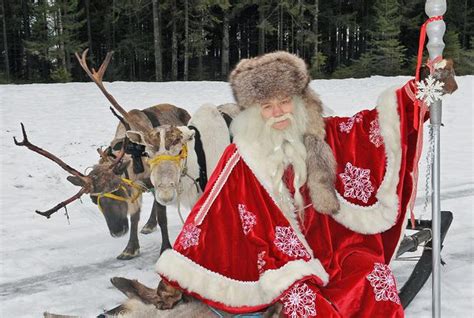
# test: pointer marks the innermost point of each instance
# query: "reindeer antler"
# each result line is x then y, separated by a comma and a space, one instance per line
48, 213
96, 77
86, 188
46, 154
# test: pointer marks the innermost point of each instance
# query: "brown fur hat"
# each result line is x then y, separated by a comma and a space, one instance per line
281, 74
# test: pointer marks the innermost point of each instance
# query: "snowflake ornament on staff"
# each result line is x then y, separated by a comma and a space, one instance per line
429, 90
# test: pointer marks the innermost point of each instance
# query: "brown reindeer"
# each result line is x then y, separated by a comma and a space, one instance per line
116, 196
180, 156
115, 184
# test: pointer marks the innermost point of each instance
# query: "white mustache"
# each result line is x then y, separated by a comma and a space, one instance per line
274, 120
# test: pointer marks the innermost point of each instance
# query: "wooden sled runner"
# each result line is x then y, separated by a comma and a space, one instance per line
424, 266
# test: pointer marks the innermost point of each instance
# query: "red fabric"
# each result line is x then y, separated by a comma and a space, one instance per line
238, 231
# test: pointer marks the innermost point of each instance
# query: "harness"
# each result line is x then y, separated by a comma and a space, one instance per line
201, 158
125, 182
183, 155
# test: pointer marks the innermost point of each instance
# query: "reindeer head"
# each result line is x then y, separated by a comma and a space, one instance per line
166, 147
114, 197
103, 183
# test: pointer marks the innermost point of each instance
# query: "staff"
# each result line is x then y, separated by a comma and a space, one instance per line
435, 46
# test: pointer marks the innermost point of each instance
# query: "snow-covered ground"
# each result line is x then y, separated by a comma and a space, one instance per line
64, 267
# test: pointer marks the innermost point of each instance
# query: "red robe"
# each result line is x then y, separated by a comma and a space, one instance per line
242, 248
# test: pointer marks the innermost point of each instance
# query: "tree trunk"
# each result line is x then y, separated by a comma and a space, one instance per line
46, 65
186, 40
316, 30
157, 41
201, 49
5, 43
89, 29
465, 36
280, 27
113, 24
174, 43
225, 46
62, 48
27, 34
338, 46
261, 31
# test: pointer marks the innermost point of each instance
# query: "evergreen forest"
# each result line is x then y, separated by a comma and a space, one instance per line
193, 40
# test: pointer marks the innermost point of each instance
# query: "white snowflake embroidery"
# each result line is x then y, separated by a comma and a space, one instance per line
357, 183
300, 301
374, 133
249, 220
383, 282
429, 90
347, 126
287, 242
189, 236
261, 262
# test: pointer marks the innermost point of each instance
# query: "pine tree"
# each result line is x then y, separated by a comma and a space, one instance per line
385, 54
386, 51
54, 36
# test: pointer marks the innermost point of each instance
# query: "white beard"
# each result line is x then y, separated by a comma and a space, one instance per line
277, 148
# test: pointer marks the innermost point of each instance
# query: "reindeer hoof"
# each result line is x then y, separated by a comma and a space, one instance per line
126, 255
148, 228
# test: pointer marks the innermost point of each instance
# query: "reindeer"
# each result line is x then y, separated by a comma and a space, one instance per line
113, 184
137, 173
179, 157
116, 187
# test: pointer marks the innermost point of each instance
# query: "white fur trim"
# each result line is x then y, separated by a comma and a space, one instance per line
255, 161
217, 187
382, 215
215, 136
195, 278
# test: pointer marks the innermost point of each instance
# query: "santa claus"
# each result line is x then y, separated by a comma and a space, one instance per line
302, 214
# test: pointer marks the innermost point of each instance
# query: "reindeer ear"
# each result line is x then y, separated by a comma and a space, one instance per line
188, 134
75, 180
136, 137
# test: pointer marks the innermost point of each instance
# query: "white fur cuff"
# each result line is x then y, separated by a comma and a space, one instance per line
216, 287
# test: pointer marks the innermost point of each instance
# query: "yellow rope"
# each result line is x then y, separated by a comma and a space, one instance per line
140, 188
176, 159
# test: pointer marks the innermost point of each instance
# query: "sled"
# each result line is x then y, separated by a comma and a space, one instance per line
424, 265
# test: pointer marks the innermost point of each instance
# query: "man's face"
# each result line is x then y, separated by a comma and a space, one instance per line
276, 108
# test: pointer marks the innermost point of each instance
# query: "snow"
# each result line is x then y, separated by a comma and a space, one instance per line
64, 267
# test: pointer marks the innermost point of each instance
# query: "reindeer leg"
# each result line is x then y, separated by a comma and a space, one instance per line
150, 225
133, 247
163, 223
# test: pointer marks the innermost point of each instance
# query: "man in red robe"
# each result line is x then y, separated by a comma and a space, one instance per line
302, 214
